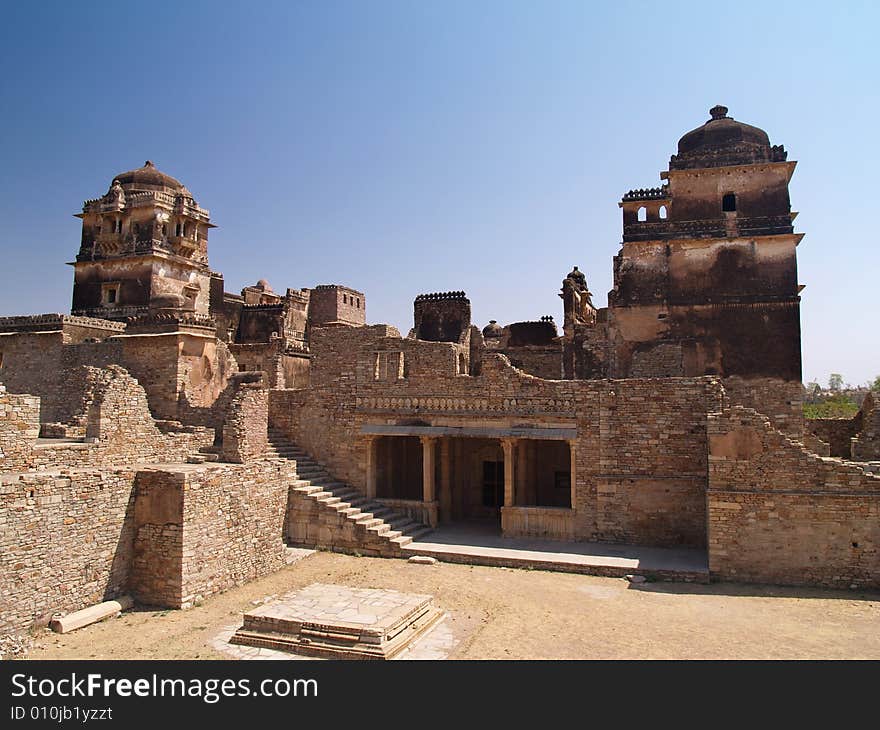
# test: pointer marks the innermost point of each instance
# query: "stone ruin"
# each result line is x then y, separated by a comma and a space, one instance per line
168, 440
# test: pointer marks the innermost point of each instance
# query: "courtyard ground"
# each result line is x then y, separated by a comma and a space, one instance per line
502, 613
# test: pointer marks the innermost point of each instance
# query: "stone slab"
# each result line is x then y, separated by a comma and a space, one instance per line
339, 622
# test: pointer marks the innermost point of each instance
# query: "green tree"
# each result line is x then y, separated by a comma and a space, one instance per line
835, 382
875, 386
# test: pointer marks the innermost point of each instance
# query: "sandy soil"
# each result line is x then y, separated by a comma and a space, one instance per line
527, 614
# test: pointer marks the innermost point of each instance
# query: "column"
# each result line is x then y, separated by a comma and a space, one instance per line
572, 450
445, 480
371, 466
428, 487
521, 491
509, 446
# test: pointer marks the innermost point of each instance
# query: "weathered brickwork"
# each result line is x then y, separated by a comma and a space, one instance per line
19, 427
837, 433
65, 542
245, 429
780, 514
866, 445
204, 529
72, 538
311, 524
640, 444
780, 400
117, 426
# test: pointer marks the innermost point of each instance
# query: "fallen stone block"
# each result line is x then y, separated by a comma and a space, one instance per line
90, 615
422, 560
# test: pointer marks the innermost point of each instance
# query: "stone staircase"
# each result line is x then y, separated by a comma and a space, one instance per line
366, 525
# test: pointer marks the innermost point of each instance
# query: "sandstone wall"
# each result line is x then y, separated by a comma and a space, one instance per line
203, 529
118, 427
182, 373
640, 445
836, 432
780, 514
19, 427
245, 429
543, 362
866, 445
73, 538
781, 400
65, 542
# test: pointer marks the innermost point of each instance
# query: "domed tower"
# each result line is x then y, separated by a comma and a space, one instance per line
144, 247
706, 280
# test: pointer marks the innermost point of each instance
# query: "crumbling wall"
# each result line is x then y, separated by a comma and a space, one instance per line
542, 362
640, 444
204, 529
118, 427
65, 542
780, 514
585, 354
19, 428
838, 433
245, 428
866, 445
780, 400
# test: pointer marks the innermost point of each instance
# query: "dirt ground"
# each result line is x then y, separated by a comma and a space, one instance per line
501, 613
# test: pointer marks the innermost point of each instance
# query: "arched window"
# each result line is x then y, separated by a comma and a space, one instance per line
643, 214
662, 212
728, 203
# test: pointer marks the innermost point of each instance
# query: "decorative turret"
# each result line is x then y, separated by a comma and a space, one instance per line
146, 237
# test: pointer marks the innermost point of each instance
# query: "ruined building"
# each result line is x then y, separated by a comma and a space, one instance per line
170, 439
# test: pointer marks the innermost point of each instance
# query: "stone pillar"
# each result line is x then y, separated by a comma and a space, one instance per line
428, 488
445, 480
509, 447
532, 474
372, 456
522, 474
572, 450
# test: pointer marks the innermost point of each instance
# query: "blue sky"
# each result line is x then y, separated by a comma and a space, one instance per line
408, 147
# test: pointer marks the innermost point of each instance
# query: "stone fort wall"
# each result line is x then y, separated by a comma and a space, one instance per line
781, 514
640, 447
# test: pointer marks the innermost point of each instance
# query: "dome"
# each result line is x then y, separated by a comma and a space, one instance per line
493, 329
147, 177
724, 141
264, 285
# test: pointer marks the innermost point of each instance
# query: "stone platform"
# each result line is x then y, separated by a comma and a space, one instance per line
482, 544
338, 622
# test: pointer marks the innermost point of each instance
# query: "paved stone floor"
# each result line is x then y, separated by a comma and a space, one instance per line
480, 542
434, 644
369, 609
373, 609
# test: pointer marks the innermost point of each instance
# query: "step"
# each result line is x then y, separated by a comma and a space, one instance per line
330, 499
348, 492
368, 523
380, 529
404, 524
402, 540
312, 473
420, 532
304, 483
307, 489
